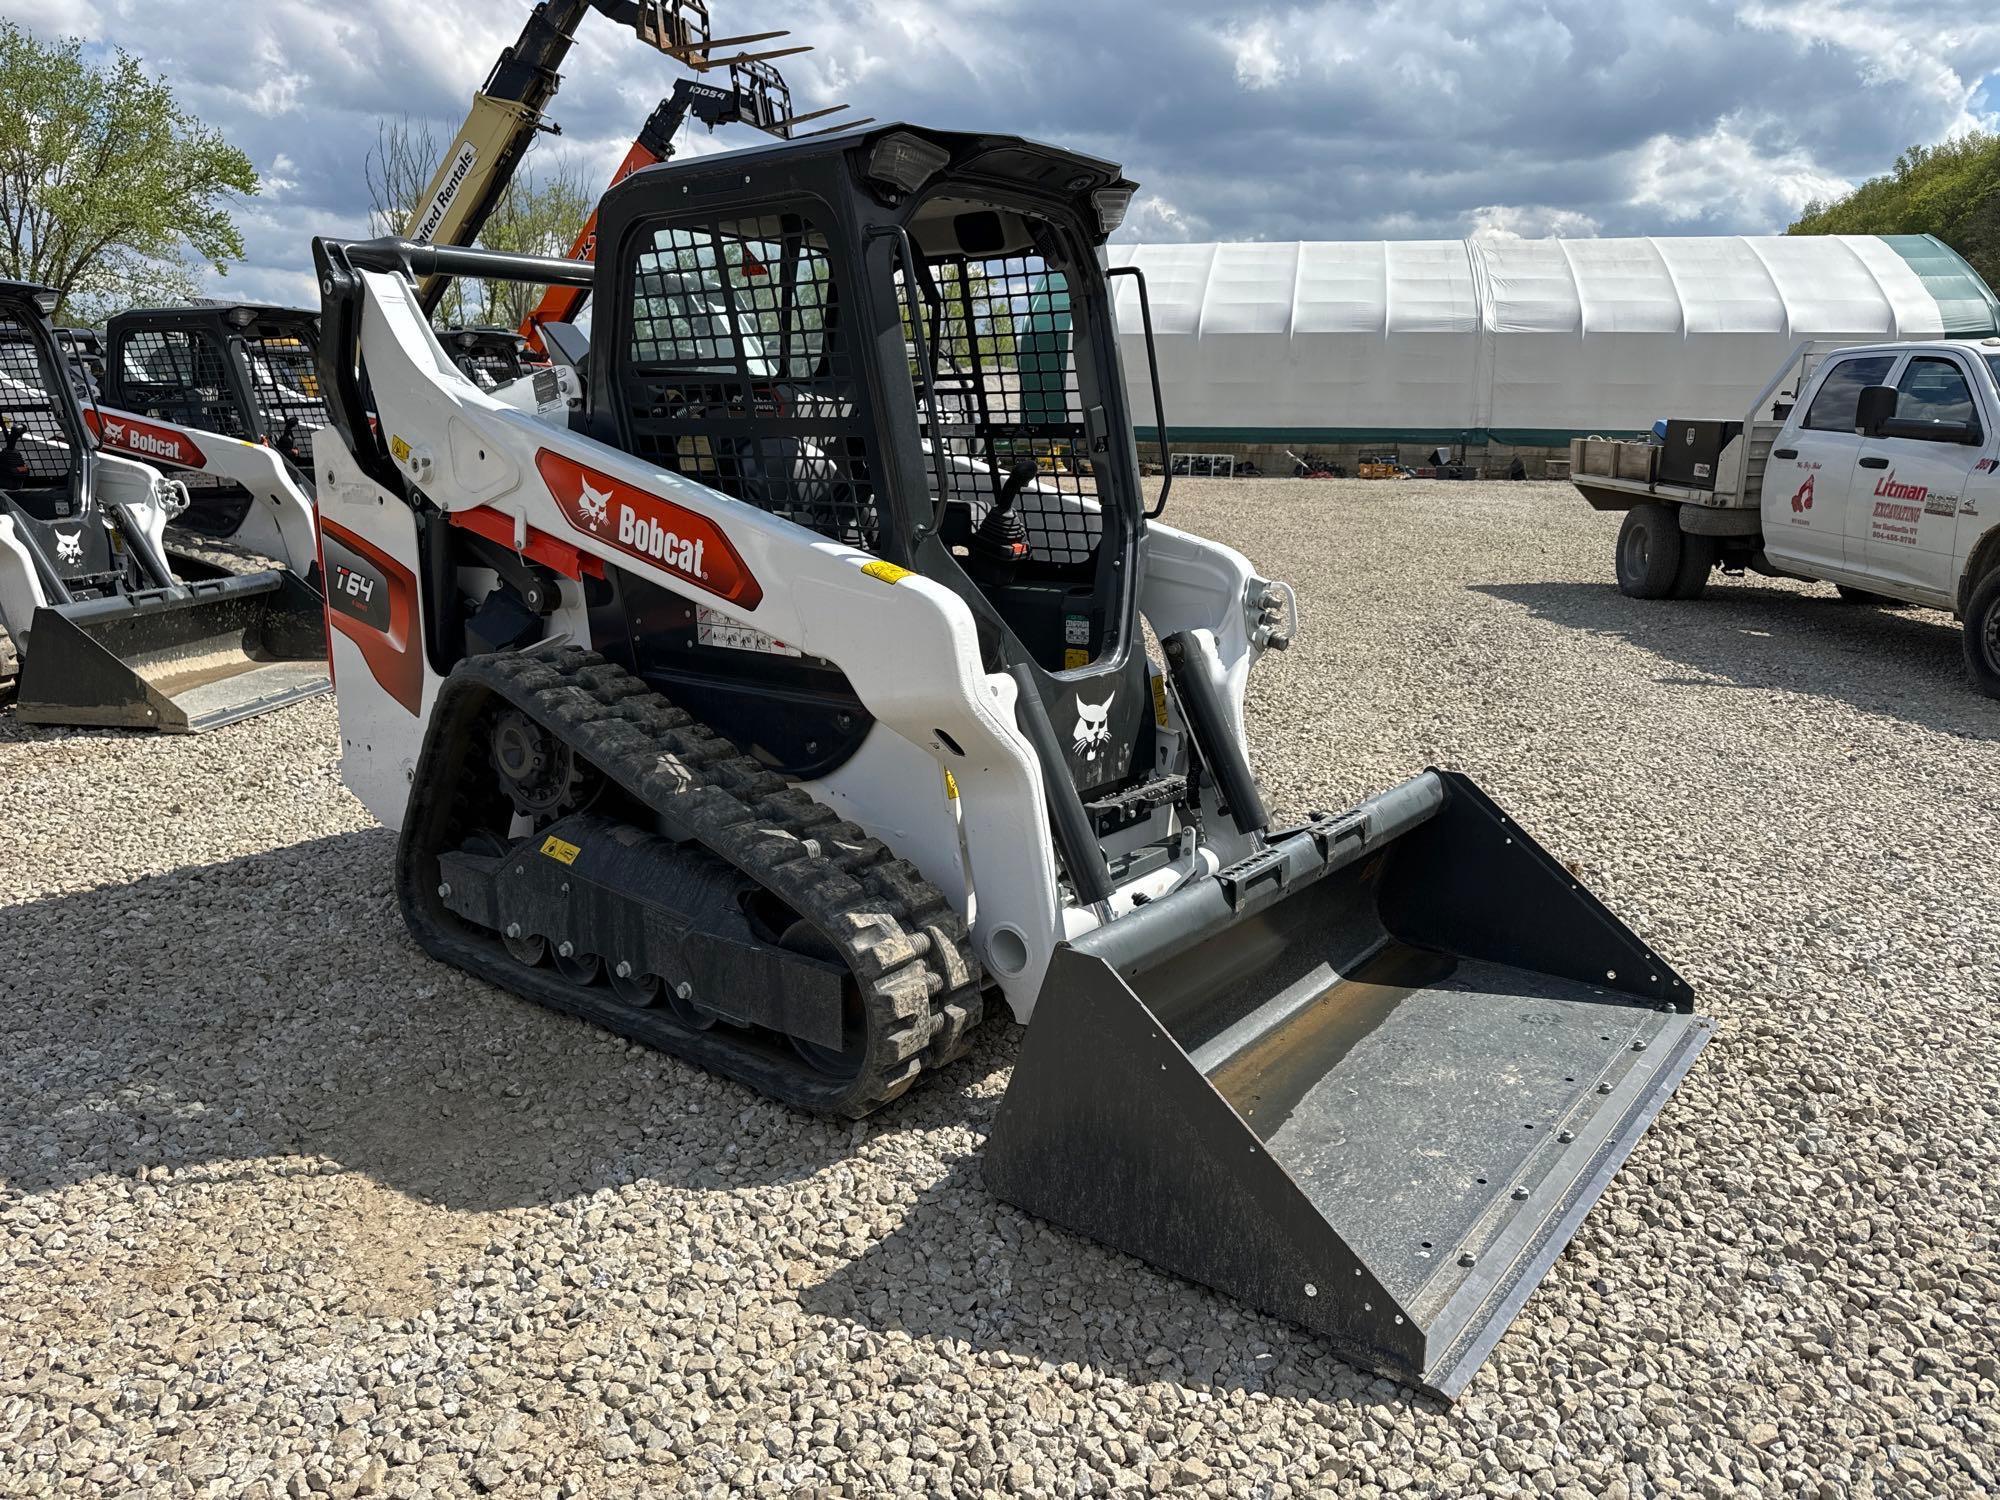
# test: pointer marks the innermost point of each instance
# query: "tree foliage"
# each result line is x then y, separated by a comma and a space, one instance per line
1951, 190
110, 192
539, 214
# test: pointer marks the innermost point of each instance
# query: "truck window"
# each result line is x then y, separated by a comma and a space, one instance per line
1932, 392
1839, 398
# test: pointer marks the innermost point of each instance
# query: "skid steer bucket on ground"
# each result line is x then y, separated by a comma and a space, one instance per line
181, 659
1370, 1080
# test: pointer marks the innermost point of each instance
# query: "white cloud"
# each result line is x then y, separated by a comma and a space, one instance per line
1496, 222
1259, 62
1921, 52
1725, 176
1152, 219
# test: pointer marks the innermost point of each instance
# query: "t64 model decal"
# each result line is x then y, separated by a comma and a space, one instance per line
372, 600
656, 531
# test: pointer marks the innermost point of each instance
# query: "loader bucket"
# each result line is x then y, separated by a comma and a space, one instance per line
1370, 1080
182, 659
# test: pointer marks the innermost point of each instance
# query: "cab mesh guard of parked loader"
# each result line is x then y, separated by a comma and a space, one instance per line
795, 700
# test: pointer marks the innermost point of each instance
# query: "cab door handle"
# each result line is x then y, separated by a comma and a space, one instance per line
1874, 463
1784, 453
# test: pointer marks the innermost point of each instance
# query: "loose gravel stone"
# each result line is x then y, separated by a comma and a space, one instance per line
288, 1210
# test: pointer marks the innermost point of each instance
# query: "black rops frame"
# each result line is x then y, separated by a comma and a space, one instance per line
865, 223
270, 322
19, 303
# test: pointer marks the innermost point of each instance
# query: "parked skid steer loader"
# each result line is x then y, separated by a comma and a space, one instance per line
106, 627
792, 702
224, 398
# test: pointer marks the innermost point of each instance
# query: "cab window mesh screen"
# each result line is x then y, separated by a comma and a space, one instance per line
284, 375
36, 451
740, 375
179, 376
1002, 340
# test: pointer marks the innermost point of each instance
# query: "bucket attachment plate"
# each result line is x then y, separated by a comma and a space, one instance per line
1371, 1082
183, 660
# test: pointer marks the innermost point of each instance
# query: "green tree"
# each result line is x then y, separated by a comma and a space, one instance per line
539, 214
1951, 190
110, 192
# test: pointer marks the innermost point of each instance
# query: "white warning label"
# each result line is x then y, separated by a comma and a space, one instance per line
713, 628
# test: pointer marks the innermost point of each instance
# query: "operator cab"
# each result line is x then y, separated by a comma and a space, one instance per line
902, 340
40, 433
45, 473
244, 370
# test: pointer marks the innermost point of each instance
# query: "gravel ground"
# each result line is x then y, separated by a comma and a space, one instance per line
287, 1209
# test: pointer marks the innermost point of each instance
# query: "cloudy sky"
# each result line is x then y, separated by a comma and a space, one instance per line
1338, 119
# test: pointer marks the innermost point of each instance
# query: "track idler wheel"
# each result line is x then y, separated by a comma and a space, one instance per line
537, 771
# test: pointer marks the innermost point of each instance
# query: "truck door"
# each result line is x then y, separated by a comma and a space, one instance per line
1808, 481
1909, 480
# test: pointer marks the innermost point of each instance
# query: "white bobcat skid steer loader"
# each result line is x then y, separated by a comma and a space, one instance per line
798, 699
105, 626
226, 399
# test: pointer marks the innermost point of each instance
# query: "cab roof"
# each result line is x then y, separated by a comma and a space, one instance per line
971, 157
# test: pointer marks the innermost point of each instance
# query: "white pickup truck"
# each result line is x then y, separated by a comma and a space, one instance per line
1875, 468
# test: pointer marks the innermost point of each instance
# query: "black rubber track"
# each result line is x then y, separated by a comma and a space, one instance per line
907, 949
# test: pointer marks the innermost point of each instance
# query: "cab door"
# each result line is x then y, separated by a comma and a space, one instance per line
1811, 470
1910, 479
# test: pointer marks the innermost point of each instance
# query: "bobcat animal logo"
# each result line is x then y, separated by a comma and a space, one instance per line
1802, 501
114, 432
69, 546
1093, 727
595, 505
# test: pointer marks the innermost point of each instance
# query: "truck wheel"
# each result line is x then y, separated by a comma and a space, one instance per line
1697, 562
1649, 552
1982, 634
1852, 595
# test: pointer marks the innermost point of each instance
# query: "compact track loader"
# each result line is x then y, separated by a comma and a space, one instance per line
104, 624
224, 398
791, 703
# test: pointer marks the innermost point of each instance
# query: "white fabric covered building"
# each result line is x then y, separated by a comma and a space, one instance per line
1519, 342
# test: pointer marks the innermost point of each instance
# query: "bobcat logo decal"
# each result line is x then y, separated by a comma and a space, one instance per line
595, 505
114, 432
1093, 727
69, 547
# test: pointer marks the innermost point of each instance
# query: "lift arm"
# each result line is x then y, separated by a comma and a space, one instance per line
509, 109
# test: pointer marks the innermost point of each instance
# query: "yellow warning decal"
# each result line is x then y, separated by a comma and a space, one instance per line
400, 448
1159, 700
950, 786
1074, 657
560, 850
888, 572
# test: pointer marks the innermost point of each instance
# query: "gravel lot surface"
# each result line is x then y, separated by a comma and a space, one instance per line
287, 1209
